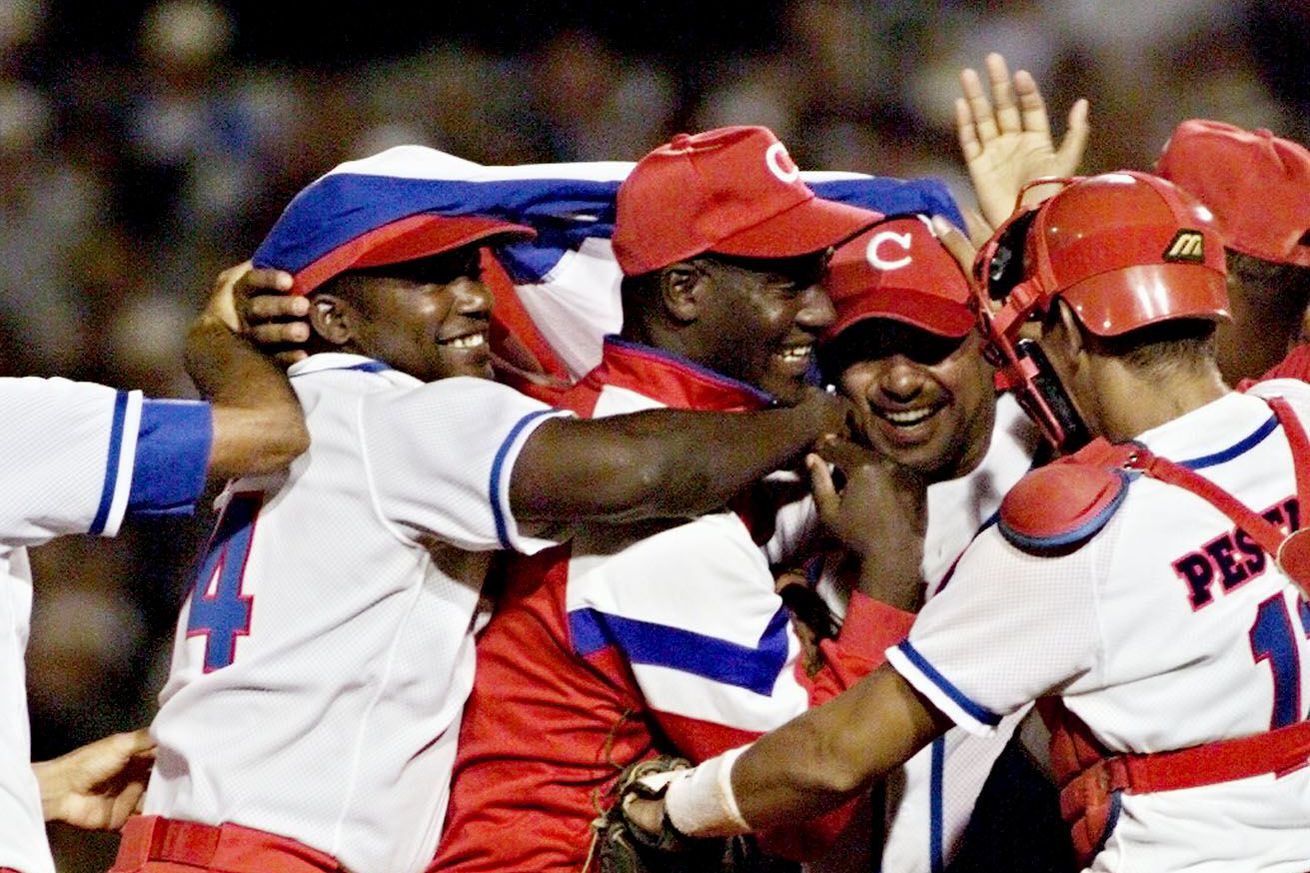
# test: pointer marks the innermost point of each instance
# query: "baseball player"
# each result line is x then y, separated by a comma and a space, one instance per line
903, 348
668, 637
1152, 583
79, 458
1258, 186
324, 655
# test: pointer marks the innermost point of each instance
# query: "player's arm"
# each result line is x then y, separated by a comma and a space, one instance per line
258, 425
804, 768
97, 786
1006, 141
660, 463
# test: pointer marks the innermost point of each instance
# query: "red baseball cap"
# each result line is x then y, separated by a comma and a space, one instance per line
734, 191
898, 269
1124, 250
1257, 185
406, 239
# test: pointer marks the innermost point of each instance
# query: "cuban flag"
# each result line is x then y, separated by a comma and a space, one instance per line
558, 295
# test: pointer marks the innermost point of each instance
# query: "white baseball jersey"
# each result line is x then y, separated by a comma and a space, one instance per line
75, 458
1166, 630
325, 653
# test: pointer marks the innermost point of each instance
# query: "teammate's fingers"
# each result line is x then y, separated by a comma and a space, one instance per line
826, 500
1007, 114
267, 307
130, 743
287, 358
970, 148
265, 279
278, 332
1074, 144
957, 244
979, 106
1031, 105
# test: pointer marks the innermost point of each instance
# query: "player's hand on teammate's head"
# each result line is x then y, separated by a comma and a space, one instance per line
1006, 141
275, 321
101, 784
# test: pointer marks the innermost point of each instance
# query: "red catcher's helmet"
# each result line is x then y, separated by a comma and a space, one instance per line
1124, 250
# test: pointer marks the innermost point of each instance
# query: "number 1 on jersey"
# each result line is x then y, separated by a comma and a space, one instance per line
1274, 639
219, 610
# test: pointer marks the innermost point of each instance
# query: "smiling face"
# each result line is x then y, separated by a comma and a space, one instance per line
428, 318
928, 401
760, 319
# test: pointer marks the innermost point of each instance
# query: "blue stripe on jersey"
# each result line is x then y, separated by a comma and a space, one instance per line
366, 367
1236, 449
172, 455
936, 839
498, 511
111, 464
979, 713
643, 642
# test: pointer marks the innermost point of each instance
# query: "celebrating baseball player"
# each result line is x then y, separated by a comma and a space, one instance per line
668, 637
1149, 589
79, 458
904, 350
324, 655
1258, 187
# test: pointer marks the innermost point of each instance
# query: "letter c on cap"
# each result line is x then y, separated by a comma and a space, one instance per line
901, 239
777, 160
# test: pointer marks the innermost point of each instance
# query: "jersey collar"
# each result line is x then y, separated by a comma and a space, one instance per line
673, 380
1205, 436
339, 361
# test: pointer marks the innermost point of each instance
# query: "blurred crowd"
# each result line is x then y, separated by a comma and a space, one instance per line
131, 177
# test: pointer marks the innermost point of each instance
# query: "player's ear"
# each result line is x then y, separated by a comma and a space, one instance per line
330, 318
1070, 332
680, 286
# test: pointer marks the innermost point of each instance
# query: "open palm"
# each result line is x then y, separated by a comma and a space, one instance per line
1006, 141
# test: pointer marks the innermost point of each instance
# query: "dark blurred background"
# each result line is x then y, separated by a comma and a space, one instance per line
143, 147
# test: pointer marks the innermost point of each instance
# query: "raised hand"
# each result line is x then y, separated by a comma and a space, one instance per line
1006, 141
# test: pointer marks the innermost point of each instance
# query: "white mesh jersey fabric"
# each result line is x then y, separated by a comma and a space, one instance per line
56, 445
329, 716
1113, 629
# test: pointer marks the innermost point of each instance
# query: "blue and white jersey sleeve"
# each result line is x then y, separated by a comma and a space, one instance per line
440, 458
78, 457
1009, 628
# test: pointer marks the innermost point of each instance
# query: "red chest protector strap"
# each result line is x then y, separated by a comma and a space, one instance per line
1089, 775
1291, 551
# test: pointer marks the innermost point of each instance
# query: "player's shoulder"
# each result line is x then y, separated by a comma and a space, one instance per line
1061, 506
1293, 390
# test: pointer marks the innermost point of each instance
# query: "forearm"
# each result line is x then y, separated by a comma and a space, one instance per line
818, 760
655, 464
257, 420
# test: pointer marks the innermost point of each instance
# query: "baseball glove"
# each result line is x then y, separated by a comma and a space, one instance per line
623, 847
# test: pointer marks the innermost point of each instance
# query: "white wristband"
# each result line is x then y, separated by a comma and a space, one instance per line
702, 804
